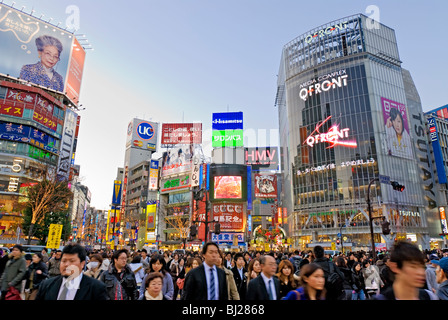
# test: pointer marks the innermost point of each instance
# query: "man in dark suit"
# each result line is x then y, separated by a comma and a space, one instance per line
206, 282
239, 274
265, 286
72, 284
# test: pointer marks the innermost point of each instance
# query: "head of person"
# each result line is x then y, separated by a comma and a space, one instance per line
239, 260
397, 120
286, 272
157, 264
16, 251
441, 269
37, 257
319, 252
95, 261
144, 253
58, 254
312, 278
407, 264
210, 252
340, 262
44, 251
182, 262
357, 267
247, 256
136, 259
120, 259
268, 265
28, 258
49, 50
73, 260
154, 283
254, 265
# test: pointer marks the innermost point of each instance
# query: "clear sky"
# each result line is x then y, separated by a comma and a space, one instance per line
182, 60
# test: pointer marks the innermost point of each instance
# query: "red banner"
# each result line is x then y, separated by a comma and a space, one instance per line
181, 133
15, 111
265, 186
14, 95
229, 215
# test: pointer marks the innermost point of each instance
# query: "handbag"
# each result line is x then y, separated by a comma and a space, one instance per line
180, 283
13, 294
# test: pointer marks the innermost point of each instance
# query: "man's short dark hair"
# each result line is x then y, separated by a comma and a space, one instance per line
18, 246
238, 255
75, 249
118, 253
319, 251
205, 247
144, 250
405, 251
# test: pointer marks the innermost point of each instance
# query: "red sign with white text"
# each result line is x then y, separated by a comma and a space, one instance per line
181, 133
229, 215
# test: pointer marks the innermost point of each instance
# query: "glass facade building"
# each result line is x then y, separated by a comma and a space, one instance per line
344, 121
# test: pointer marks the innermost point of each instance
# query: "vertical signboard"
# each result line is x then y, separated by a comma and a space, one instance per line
151, 209
116, 197
153, 174
249, 188
54, 236
67, 142
438, 157
443, 220
73, 84
196, 172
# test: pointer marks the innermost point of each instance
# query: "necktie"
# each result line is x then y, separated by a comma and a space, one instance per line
63, 295
212, 285
269, 290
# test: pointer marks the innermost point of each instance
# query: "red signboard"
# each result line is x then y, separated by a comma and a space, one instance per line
16, 96
265, 186
10, 110
229, 215
181, 133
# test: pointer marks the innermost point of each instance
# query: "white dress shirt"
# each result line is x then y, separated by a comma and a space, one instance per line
207, 277
266, 283
73, 286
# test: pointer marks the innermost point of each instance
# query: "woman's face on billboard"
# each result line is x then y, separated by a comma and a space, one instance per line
398, 125
49, 56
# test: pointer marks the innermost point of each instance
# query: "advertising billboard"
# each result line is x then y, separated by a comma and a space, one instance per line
178, 160
262, 158
67, 143
228, 182
176, 183
142, 134
153, 174
227, 138
227, 121
443, 220
181, 133
265, 185
229, 215
228, 187
39, 52
151, 217
438, 156
398, 140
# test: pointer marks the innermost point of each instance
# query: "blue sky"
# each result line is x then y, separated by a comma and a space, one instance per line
182, 60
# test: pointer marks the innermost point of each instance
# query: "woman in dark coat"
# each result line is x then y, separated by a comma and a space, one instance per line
35, 274
359, 287
347, 284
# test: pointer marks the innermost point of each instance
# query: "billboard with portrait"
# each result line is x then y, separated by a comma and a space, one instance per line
265, 186
38, 52
178, 159
397, 141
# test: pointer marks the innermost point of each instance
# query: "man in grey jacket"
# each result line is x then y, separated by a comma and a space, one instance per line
442, 277
14, 271
430, 271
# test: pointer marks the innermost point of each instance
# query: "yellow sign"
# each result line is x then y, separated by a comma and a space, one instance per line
267, 247
333, 246
54, 236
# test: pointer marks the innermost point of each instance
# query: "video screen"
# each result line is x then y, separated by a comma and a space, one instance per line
228, 187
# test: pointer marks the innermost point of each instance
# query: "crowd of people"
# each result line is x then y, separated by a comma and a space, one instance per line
404, 273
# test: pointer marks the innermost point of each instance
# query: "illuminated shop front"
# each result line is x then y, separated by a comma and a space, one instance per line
346, 118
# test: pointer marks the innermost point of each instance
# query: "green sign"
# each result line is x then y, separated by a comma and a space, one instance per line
227, 138
176, 183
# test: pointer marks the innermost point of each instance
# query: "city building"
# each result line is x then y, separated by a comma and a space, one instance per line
349, 114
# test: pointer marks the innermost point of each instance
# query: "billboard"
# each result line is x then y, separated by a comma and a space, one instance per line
227, 138
227, 121
229, 215
265, 185
181, 133
178, 160
151, 217
227, 182
398, 140
67, 143
174, 184
438, 155
153, 174
39, 52
228, 187
262, 158
142, 134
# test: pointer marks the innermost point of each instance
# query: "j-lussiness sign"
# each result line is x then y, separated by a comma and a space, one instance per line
323, 83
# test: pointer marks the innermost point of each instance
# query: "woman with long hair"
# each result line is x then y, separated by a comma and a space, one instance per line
288, 280
158, 264
253, 270
312, 284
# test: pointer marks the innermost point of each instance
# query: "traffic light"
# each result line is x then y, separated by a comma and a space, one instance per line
198, 194
385, 226
193, 231
338, 241
217, 228
396, 186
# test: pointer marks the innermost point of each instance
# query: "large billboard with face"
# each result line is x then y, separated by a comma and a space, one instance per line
178, 159
398, 140
40, 53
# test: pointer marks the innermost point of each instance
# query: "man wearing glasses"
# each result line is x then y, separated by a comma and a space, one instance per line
265, 286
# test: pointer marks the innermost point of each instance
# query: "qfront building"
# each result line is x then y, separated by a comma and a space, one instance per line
348, 116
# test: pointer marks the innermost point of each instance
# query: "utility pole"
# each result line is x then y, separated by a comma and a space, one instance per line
369, 206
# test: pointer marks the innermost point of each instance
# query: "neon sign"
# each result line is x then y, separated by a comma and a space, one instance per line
323, 32
332, 136
323, 84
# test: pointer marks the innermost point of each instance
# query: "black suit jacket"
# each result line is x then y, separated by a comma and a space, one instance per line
241, 283
195, 286
89, 289
257, 289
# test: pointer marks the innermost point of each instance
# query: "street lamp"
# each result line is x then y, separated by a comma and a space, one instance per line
369, 208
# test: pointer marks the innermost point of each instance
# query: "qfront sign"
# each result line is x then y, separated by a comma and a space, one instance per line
325, 32
323, 83
334, 136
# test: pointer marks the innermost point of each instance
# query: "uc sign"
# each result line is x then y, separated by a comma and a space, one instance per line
145, 131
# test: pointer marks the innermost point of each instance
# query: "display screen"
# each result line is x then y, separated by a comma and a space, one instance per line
228, 187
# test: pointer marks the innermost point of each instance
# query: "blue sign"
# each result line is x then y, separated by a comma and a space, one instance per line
145, 131
249, 188
116, 196
207, 179
227, 121
384, 179
249, 223
438, 157
154, 164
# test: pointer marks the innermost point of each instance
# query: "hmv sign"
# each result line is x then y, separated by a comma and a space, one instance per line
262, 158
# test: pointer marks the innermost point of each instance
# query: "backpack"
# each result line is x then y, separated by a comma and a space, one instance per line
334, 282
